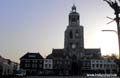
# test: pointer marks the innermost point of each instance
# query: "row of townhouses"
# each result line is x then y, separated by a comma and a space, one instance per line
103, 66
35, 64
7, 67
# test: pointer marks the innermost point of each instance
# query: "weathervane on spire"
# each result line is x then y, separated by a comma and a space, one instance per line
73, 7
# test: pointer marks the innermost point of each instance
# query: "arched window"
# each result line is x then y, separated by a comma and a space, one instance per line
77, 17
71, 34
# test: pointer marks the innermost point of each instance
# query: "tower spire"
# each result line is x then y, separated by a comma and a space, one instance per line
73, 7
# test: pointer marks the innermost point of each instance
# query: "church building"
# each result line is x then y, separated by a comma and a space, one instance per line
73, 45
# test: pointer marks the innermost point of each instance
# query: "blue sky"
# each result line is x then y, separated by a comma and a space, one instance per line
39, 25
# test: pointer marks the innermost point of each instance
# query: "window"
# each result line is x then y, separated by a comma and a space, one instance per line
112, 66
77, 45
93, 65
27, 61
32, 56
71, 45
35, 65
68, 62
77, 17
71, 34
65, 62
97, 65
27, 65
74, 19
34, 61
105, 65
49, 65
100, 65
45, 65
96, 61
40, 65
40, 61
60, 62
32, 65
46, 60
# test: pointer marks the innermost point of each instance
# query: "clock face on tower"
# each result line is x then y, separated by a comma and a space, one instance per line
73, 46
76, 34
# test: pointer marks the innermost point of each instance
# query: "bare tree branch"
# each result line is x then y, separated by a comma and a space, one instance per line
114, 5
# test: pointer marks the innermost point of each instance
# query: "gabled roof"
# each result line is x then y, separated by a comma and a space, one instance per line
92, 51
31, 56
58, 53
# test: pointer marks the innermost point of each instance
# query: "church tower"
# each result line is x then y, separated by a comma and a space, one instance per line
74, 38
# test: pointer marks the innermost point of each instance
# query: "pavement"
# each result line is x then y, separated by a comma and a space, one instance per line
65, 77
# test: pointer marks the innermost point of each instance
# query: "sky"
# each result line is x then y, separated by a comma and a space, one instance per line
39, 25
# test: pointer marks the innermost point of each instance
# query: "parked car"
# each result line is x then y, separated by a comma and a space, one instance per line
21, 73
